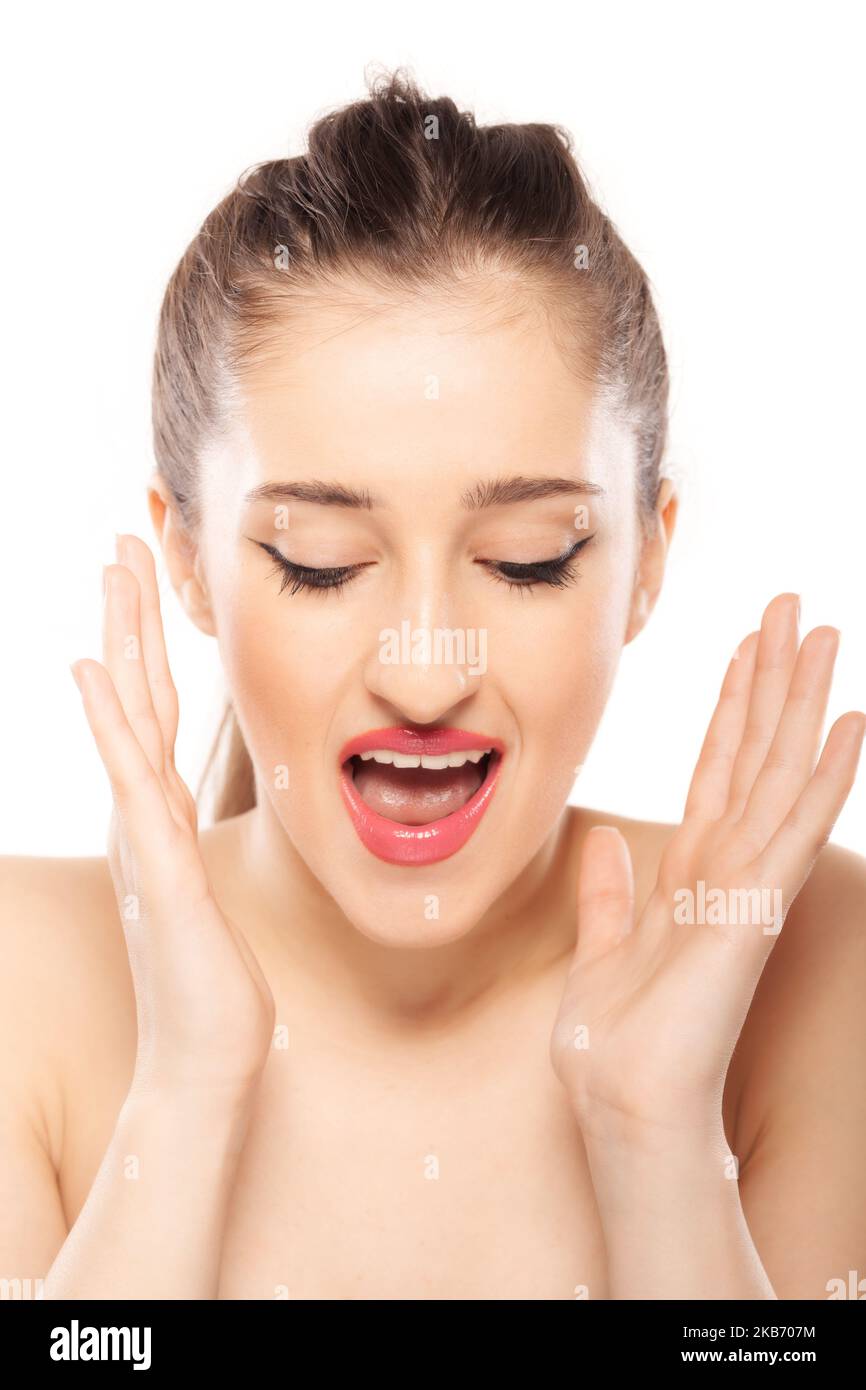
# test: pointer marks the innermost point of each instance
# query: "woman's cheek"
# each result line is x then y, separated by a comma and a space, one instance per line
558, 698
266, 674
285, 682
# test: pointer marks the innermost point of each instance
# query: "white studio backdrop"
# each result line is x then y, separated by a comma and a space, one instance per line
724, 141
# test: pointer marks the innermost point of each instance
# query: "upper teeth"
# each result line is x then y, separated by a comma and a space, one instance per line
386, 755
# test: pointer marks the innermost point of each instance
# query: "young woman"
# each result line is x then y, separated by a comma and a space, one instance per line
401, 1024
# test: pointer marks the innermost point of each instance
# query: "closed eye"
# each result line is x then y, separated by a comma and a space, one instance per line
557, 573
296, 577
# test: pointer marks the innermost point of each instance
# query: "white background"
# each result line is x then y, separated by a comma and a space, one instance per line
726, 144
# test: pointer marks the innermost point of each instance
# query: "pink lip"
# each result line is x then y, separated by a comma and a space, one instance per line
418, 844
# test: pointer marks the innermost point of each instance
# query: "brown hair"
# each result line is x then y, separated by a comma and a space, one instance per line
406, 192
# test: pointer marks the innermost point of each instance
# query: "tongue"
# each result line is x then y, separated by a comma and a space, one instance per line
416, 795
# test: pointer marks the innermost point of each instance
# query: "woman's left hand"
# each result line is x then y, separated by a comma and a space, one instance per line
651, 1013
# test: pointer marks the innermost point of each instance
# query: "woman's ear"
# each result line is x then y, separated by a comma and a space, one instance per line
182, 557
651, 566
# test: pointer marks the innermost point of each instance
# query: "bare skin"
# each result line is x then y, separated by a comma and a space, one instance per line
331, 1199
428, 1130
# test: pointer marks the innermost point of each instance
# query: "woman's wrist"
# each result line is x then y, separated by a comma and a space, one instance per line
153, 1221
208, 1102
670, 1210
695, 1127
218, 1116
632, 1168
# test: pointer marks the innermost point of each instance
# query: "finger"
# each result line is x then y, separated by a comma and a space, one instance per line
792, 755
710, 785
792, 851
137, 556
774, 664
123, 659
135, 786
605, 894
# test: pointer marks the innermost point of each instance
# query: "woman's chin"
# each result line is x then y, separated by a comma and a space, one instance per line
404, 908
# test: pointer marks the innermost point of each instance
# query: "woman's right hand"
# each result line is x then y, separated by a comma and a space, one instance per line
205, 1011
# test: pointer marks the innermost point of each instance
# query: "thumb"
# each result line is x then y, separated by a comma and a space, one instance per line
605, 894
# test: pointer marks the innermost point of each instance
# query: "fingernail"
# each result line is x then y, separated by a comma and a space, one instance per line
119, 546
75, 674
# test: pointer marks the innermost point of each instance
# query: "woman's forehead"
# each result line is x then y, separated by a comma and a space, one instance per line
381, 490
392, 399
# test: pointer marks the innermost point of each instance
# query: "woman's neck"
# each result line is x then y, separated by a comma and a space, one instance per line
299, 931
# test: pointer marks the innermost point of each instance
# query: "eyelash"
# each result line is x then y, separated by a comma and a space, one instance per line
556, 573
296, 577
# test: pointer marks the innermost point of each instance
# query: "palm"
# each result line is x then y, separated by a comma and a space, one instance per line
205, 1010
651, 1014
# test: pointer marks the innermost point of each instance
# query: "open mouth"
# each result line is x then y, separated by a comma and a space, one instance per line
415, 790
419, 801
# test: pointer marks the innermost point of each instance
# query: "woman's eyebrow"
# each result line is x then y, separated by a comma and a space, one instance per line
490, 493
326, 494
501, 491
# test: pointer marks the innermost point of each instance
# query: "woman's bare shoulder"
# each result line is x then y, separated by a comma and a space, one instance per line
799, 1066
55, 910
804, 1038
61, 930
65, 962
69, 905
66, 998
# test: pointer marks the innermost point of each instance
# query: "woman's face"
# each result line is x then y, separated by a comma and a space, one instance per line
479, 509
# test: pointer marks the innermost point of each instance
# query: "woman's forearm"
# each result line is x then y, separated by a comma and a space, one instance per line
153, 1221
673, 1221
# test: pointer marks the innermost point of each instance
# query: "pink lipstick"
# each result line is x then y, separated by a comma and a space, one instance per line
416, 796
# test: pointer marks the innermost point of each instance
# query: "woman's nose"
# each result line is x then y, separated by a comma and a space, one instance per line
424, 671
